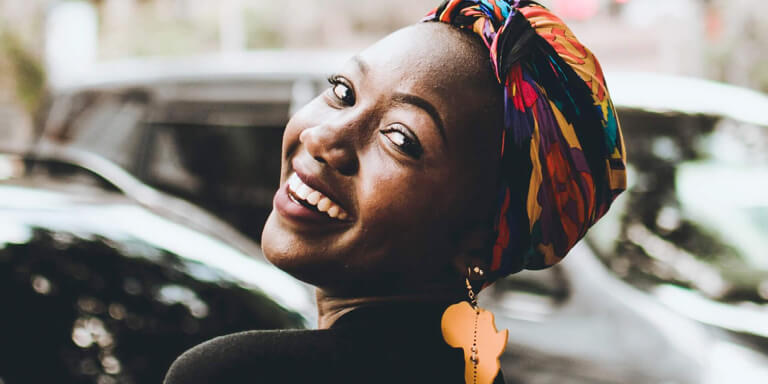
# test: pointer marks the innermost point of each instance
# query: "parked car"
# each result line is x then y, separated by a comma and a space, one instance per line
670, 287
96, 288
205, 129
195, 143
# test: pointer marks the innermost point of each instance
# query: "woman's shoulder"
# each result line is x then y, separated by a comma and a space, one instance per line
282, 355
368, 345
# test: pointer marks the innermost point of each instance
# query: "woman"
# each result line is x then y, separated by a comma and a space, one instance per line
425, 172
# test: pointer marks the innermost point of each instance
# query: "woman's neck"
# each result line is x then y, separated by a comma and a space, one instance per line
331, 307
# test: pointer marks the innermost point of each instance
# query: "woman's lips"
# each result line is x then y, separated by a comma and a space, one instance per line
299, 202
314, 199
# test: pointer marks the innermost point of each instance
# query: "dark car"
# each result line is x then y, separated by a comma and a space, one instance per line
96, 288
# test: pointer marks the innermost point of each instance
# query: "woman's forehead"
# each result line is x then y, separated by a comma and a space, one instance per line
431, 49
438, 63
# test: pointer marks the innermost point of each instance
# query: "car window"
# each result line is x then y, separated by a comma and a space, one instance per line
231, 170
106, 124
222, 155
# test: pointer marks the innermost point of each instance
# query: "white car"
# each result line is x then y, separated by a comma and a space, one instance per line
678, 293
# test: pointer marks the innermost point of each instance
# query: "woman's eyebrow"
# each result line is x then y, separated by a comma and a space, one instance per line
362, 66
407, 98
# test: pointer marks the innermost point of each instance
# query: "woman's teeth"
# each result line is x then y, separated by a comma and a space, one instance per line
314, 198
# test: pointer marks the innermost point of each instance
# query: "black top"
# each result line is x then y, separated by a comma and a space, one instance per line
377, 344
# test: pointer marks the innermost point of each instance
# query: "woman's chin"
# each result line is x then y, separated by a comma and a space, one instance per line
279, 244
293, 253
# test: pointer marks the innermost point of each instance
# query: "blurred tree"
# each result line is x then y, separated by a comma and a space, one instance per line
739, 38
27, 71
22, 79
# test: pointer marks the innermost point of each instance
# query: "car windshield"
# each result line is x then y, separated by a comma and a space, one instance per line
101, 123
223, 156
696, 212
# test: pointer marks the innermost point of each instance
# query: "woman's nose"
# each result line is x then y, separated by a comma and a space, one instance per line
331, 146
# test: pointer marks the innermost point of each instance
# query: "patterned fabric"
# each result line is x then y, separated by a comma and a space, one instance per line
563, 160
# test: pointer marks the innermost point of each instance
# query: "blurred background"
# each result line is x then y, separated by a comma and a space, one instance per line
139, 153
44, 41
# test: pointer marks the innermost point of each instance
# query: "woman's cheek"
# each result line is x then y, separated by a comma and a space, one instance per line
395, 196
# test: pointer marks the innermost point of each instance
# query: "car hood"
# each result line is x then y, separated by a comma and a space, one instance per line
91, 212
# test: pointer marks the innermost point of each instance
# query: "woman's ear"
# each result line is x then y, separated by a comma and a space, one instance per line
474, 251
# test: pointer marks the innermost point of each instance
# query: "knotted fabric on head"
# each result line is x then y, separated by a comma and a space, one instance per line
562, 152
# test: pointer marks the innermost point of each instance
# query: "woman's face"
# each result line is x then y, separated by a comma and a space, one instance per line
389, 173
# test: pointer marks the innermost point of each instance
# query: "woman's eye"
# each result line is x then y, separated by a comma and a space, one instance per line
404, 141
342, 91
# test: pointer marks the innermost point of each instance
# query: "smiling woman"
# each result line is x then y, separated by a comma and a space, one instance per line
375, 146
423, 173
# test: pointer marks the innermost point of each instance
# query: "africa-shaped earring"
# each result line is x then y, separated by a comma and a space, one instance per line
472, 328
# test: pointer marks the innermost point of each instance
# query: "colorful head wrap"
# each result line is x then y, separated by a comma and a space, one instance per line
560, 134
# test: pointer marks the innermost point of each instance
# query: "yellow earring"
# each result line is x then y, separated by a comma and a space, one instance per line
473, 329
